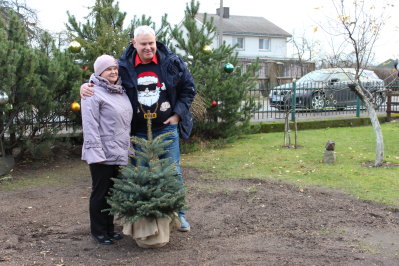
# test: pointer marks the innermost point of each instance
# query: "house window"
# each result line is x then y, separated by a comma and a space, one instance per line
239, 42
264, 44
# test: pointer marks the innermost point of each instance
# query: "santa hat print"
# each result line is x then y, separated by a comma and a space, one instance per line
148, 78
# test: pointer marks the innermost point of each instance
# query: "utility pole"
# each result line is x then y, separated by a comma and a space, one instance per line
221, 13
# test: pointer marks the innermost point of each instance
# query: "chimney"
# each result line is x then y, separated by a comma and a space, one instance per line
226, 12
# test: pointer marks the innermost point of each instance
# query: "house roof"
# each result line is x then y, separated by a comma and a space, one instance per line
390, 63
246, 25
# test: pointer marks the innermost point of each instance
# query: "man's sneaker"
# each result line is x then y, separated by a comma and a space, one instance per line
184, 225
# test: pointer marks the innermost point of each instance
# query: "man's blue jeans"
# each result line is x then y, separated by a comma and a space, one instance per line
173, 148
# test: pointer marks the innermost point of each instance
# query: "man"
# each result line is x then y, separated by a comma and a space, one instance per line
158, 85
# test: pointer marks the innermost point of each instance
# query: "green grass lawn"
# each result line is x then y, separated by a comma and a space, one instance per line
262, 156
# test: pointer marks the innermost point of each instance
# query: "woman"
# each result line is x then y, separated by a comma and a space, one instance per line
106, 118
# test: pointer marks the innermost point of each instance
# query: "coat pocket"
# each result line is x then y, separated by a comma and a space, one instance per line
116, 149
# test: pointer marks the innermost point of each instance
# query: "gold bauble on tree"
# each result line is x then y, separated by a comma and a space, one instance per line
207, 49
75, 107
75, 47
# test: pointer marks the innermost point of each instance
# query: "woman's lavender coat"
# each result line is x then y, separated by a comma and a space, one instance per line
106, 119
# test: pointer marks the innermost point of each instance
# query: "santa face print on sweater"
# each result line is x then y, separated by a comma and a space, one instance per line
149, 88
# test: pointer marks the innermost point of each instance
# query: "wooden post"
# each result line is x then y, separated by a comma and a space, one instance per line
389, 103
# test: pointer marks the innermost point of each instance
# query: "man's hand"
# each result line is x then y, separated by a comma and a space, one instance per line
174, 119
86, 90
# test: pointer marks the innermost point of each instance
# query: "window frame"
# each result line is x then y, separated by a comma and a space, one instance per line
263, 42
235, 41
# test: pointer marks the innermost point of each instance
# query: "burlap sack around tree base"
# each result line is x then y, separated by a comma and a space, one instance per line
150, 232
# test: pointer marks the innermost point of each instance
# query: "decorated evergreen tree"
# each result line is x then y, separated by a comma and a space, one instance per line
220, 81
40, 82
151, 189
103, 31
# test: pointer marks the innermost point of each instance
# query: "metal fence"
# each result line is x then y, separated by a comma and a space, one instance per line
305, 101
29, 124
316, 100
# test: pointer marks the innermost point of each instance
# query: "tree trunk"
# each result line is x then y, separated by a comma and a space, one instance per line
285, 130
379, 156
296, 133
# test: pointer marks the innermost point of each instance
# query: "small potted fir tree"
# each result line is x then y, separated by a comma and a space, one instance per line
147, 195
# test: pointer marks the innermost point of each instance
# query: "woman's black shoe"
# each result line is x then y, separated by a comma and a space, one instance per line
103, 239
115, 236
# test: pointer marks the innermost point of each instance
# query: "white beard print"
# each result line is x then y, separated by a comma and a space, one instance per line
148, 97
149, 92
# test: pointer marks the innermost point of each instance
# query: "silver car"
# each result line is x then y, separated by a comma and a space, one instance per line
326, 88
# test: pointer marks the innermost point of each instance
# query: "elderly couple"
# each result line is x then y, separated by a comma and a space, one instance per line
147, 78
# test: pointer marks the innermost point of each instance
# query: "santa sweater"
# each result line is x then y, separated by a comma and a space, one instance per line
153, 100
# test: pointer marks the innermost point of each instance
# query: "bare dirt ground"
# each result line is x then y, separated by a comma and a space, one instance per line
234, 222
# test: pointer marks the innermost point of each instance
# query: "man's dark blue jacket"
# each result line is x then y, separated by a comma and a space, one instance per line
177, 78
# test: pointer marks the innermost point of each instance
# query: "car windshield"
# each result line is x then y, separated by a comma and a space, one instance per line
336, 75
369, 75
315, 76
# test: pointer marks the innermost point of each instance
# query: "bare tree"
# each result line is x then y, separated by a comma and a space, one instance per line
288, 109
26, 14
359, 24
305, 49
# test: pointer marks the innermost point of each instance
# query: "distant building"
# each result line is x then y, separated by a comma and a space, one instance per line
255, 36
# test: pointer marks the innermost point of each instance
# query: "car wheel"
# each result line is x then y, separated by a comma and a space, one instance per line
317, 101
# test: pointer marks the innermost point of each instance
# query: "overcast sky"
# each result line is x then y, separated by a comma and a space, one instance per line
299, 16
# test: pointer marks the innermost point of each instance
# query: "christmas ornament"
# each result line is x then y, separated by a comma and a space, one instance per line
207, 49
85, 68
75, 47
228, 68
75, 107
214, 104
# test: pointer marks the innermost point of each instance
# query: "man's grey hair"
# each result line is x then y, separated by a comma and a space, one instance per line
144, 29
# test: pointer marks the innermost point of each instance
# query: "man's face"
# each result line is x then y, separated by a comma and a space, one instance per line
146, 47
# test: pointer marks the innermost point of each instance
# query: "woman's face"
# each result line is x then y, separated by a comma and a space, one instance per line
111, 74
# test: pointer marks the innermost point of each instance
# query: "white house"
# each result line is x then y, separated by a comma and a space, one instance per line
255, 36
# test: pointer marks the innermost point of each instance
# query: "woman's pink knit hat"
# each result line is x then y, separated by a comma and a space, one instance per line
103, 62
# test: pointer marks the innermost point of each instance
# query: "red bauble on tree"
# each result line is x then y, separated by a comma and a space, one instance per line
214, 104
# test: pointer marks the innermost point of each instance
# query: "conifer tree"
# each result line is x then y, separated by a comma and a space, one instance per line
232, 104
150, 189
39, 82
17, 73
103, 31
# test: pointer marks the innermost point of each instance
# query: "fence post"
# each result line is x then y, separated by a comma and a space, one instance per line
293, 105
358, 106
